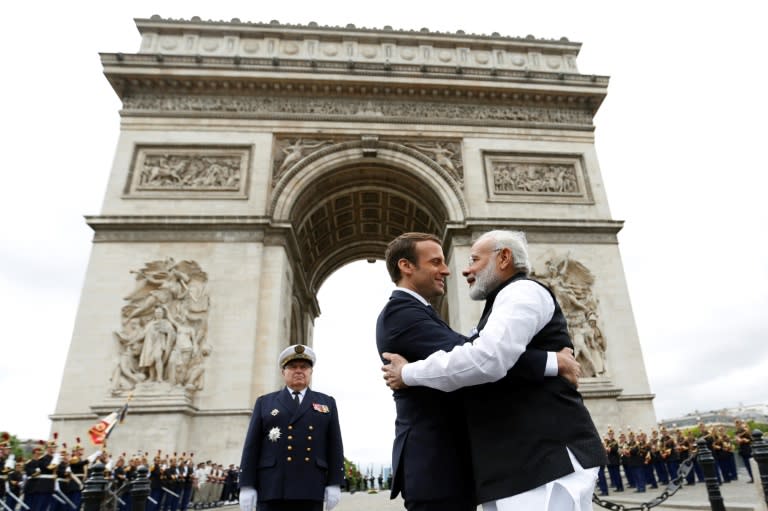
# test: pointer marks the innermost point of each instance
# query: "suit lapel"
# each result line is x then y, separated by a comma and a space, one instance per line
285, 400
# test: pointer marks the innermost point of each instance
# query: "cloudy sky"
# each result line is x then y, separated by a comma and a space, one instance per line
680, 140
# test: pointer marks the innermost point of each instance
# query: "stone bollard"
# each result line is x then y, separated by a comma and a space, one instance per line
760, 455
707, 462
140, 489
95, 488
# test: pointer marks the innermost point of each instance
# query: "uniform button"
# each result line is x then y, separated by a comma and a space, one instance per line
309, 449
290, 447
289, 458
290, 437
311, 428
290, 426
306, 459
309, 437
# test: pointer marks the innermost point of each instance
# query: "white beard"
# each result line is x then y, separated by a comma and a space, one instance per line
485, 282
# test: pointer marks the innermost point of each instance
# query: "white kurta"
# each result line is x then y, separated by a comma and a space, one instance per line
520, 311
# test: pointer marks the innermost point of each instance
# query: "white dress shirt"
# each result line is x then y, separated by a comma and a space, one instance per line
550, 369
520, 310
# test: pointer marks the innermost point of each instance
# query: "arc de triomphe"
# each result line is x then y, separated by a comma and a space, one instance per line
256, 159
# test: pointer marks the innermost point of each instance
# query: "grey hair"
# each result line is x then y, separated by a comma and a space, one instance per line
516, 242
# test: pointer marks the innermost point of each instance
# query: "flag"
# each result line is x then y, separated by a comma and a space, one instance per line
100, 431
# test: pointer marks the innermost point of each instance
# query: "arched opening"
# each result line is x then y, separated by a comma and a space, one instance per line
355, 211
343, 219
348, 364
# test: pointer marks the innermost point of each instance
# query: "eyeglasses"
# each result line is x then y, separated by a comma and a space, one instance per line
473, 258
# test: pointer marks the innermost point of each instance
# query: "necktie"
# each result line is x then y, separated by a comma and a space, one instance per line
296, 398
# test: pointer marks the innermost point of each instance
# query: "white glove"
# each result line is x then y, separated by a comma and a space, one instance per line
332, 496
247, 498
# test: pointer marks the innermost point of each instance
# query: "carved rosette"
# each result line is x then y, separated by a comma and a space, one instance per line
163, 338
571, 282
184, 171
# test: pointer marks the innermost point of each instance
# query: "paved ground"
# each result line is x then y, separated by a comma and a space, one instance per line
737, 496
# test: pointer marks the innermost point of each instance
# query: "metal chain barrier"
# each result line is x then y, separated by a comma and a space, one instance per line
674, 485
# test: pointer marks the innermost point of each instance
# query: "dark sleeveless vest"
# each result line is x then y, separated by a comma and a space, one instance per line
519, 428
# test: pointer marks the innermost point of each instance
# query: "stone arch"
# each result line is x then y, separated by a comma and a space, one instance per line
344, 205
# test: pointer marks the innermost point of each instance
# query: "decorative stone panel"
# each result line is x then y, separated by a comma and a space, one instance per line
536, 177
188, 172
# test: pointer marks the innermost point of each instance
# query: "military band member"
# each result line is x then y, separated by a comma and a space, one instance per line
614, 460
170, 484
744, 442
36, 490
78, 465
293, 457
155, 483
670, 454
120, 478
7, 461
15, 484
693, 448
63, 481
646, 453
186, 469
659, 462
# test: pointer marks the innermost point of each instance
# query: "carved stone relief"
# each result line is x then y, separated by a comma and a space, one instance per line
536, 178
163, 340
571, 282
181, 171
446, 154
501, 114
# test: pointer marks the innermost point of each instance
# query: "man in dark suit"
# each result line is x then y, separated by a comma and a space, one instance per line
430, 456
534, 445
293, 458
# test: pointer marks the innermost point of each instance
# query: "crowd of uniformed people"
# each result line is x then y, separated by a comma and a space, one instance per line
52, 479
637, 460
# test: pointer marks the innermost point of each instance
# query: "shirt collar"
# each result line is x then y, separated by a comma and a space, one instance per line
414, 294
301, 392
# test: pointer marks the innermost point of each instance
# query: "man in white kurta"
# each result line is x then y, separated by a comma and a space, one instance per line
521, 309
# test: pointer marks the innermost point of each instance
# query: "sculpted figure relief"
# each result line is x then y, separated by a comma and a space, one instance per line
164, 328
534, 178
291, 151
444, 154
571, 282
190, 172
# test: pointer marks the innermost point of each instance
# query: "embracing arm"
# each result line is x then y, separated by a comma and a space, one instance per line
519, 312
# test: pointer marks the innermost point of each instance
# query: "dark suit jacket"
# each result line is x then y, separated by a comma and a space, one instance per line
430, 455
306, 457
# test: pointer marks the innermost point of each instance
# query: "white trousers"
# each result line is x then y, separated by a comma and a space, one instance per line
569, 493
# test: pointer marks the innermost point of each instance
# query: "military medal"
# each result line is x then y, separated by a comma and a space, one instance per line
321, 408
274, 434
274, 412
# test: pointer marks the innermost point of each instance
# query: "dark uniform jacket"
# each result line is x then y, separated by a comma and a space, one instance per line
430, 456
293, 454
41, 475
519, 428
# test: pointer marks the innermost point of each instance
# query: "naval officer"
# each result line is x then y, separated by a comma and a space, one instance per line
293, 458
